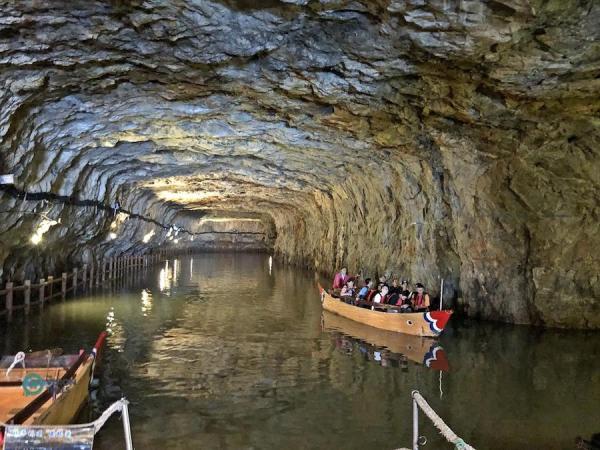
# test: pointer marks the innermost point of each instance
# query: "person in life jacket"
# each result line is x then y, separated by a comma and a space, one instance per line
382, 296
420, 299
341, 278
395, 290
348, 290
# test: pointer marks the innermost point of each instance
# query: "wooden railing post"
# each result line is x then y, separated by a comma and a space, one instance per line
42, 285
9, 296
63, 285
83, 276
75, 275
27, 295
51, 284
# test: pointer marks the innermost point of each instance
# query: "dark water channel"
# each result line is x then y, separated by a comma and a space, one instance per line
219, 352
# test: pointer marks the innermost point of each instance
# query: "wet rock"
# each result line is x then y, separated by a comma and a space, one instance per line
425, 138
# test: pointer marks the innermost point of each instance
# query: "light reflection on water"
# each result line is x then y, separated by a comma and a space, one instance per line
227, 351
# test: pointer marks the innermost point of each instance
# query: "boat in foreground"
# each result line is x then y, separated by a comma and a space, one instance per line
421, 350
46, 388
430, 324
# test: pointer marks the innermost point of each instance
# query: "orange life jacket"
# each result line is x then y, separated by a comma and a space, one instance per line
419, 300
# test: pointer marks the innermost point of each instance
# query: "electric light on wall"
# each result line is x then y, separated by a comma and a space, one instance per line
7, 179
42, 228
112, 235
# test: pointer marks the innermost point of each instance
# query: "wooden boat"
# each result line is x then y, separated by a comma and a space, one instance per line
429, 324
422, 350
50, 389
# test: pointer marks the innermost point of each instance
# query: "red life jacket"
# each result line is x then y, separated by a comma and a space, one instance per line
371, 294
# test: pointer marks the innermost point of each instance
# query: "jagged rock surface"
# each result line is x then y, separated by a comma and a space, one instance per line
428, 138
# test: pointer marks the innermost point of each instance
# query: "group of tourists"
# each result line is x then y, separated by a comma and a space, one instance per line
381, 296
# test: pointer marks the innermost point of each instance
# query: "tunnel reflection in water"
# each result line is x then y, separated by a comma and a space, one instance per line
220, 354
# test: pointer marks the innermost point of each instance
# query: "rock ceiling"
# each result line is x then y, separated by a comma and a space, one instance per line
428, 138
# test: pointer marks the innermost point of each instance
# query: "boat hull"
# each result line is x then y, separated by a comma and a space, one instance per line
429, 324
67, 406
63, 409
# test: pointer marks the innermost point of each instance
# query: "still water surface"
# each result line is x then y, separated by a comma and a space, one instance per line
220, 352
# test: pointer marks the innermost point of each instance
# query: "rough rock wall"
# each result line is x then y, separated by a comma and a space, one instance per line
429, 138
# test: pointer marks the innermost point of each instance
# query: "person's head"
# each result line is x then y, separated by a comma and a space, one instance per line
344, 271
384, 289
350, 283
367, 281
379, 286
420, 288
370, 284
382, 279
395, 282
405, 284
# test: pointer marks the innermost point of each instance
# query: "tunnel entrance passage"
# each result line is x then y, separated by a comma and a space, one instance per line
226, 230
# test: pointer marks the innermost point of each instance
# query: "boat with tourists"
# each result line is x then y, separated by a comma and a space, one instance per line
46, 387
388, 317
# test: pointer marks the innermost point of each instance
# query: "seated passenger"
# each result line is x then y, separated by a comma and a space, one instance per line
341, 278
420, 299
405, 288
348, 289
404, 303
362, 294
372, 292
381, 297
395, 290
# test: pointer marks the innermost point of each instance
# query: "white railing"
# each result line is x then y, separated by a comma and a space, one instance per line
118, 406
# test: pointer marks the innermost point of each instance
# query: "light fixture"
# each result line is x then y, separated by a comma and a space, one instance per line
42, 227
112, 235
7, 179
